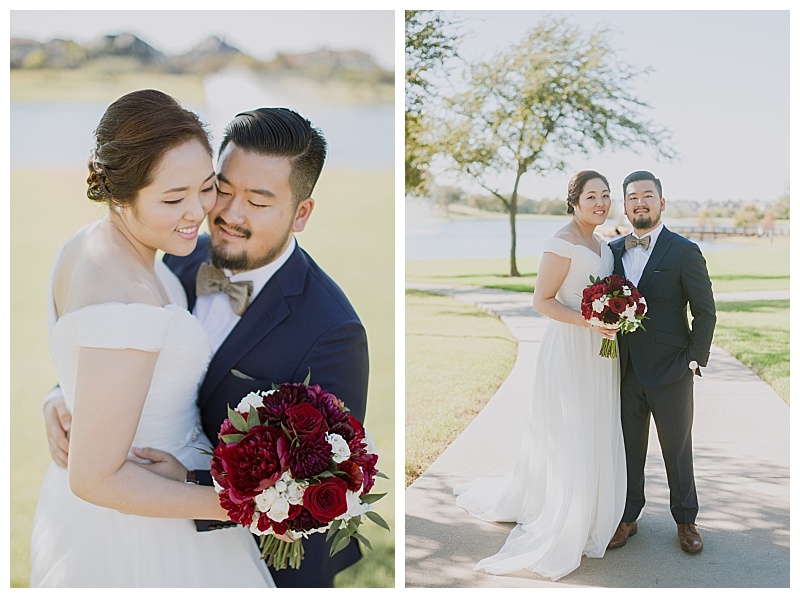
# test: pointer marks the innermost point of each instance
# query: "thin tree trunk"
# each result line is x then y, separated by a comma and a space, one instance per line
512, 217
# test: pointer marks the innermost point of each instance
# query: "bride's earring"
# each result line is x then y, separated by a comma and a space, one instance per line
118, 208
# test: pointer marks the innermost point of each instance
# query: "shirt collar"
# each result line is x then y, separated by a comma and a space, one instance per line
261, 276
653, 234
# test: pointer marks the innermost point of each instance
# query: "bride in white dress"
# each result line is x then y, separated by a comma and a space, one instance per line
129, 359
567, 491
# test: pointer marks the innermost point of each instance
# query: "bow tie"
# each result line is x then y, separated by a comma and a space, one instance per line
631, 242
212, 280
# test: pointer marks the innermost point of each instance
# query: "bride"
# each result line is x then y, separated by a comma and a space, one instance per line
567, 491
129, 359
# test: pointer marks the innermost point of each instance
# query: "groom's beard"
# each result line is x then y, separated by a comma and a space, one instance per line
243, 261
645, 220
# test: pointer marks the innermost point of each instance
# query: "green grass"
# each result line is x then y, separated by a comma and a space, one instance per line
456, 357
760, 265
757, 334
49, 206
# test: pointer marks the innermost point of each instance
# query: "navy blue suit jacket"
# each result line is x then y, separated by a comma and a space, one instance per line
300, 321
675, 276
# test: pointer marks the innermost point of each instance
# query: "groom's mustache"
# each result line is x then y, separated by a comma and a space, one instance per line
219, 221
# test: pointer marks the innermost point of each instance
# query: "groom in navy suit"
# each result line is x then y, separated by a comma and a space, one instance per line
659, 363
294, 318
272, 315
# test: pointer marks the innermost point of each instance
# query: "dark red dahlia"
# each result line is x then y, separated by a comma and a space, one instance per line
309, 456
277, 402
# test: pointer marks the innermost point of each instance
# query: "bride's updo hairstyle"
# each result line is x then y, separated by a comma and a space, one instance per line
133, 135
576, 185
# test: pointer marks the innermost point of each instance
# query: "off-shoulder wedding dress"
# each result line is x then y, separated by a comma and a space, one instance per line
567, 491
78, 544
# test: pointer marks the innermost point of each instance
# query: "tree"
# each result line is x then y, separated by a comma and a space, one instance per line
557, 92
428, 45
748, 216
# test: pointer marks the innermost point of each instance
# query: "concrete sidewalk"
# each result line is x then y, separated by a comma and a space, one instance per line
741, 448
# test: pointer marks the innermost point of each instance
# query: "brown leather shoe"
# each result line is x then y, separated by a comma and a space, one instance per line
689, 537
624, 531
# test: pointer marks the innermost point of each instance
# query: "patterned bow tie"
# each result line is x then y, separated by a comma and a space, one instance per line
631, 242
212, 280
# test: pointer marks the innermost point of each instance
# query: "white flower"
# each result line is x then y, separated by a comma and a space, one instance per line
642, 301
267, 498
598, 305
371, 446
254, 398
295, 491
354, 506
339, 447
279, 509
630, 312
217, 487
626, 290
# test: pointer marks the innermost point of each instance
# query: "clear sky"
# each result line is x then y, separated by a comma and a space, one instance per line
259, 33
719, 82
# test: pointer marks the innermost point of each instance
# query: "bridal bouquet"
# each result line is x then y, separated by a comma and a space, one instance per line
291, 462
613, 301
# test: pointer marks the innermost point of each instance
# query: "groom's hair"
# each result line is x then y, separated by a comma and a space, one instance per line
641, 175
281, 132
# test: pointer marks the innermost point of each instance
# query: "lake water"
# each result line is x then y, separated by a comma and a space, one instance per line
59, 135
429, 236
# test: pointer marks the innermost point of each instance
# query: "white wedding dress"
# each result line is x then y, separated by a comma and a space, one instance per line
78, 544
567, 491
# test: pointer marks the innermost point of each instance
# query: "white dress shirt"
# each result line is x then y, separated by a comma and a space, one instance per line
634, 260
214, 311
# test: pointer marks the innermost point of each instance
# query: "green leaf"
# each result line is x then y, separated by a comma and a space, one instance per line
228, 438
339, 544
335, 524
237, 420
371, 498
375, 518
380, 474
363, 540
352, 525
252, 418
308, 378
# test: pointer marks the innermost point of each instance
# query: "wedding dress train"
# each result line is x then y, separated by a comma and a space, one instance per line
567, 491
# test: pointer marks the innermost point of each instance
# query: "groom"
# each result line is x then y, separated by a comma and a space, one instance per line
284, 315
658, 365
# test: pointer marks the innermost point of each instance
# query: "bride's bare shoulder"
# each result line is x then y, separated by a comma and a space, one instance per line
91, 270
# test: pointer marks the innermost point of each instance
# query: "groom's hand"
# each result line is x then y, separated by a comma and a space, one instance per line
57, 423
161, 463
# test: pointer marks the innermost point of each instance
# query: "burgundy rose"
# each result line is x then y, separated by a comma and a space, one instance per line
641, 308
352, 475
309, 456
343, 429
326, 500
305, 420
251, 464
617, 304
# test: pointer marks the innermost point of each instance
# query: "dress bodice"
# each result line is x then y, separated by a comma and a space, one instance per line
170, 418
584, 263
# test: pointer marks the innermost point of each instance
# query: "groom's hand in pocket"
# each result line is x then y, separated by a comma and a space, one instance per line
161, 463
57, 423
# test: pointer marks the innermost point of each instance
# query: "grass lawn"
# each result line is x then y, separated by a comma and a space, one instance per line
760, 265
48, 206
456, 357
757, 334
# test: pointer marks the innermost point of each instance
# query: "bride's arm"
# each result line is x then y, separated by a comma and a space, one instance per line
109, 397
553, 271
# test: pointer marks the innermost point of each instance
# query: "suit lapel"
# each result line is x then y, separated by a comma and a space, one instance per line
617, 249
659, 251
267, 311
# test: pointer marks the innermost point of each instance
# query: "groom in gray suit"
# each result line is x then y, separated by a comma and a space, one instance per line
659, 364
